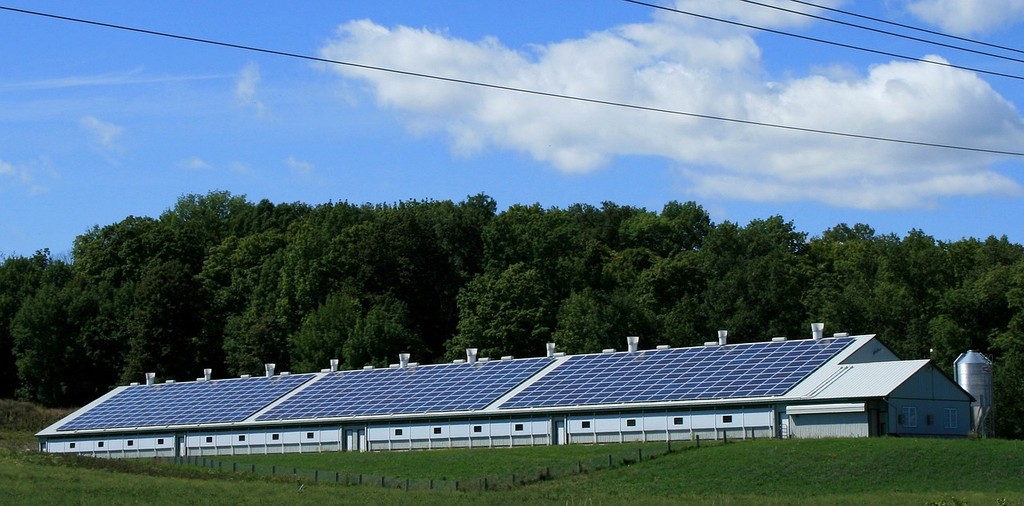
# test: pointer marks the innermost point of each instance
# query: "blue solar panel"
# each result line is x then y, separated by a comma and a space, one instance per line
435, 388
230, 400
713, 372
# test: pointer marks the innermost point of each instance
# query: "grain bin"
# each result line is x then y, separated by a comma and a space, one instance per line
973, 373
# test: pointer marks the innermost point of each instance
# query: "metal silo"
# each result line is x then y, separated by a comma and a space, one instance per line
973, 373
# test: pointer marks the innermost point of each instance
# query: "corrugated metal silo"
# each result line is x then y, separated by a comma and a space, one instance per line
973, 373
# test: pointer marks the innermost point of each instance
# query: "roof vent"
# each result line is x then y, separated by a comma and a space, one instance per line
334, 365
663, 347
169, 381
367, 367
841, 334
551, 350
270, 369
285, 373
632, 342
403, 360
150, 378
608, 350
710, 343
483, 359
506, 357
817, 331
134, 384
471, 355
723, 337
779, 339
207, 374
558, 354
245, 376
459, 361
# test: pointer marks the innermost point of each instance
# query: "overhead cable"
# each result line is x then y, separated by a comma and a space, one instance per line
910, 27
883, 32
824, 41
511, 88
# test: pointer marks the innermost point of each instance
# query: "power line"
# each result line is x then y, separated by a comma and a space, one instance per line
823, 41
511, 88
883, 32
910, 27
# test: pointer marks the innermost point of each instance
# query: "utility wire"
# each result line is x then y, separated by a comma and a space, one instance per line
910, 27
510, 88
823, 41
883, 32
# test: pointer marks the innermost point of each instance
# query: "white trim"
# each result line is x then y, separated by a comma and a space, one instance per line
846, 407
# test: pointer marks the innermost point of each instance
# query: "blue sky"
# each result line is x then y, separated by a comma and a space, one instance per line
98, 124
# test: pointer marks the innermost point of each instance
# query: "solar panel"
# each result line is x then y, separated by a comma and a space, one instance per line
713, 372
435, 388
230, 400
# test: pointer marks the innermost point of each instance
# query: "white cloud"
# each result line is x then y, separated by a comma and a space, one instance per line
26, 176
300, 166
968, 17
247, 89
718, 73
193, 163
106, 134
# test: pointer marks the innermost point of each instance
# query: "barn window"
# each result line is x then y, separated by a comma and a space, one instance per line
209, 439
72, 446
309, 435
241, 437
631, 422
478, 428
951, 418
398, 432
519, 426
99, 445
727, 419
131, 442
275, 437
677, 420
437, 430
909, 416
586, 424
160, 441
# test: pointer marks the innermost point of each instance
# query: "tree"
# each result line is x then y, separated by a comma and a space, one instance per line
323, 334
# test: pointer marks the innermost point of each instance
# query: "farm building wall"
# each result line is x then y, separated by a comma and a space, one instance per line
478, 432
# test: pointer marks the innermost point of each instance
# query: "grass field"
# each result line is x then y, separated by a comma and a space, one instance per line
840, 471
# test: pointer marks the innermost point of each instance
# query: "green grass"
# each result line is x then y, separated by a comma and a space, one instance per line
842, 471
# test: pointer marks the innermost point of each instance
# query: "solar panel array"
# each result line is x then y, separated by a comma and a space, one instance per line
714, 372
435, 388
230, 400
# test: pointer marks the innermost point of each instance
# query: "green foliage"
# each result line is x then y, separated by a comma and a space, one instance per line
217, 281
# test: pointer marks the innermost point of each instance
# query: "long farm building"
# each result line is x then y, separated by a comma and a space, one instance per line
838, 386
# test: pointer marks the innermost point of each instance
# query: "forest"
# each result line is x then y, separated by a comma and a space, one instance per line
220, 282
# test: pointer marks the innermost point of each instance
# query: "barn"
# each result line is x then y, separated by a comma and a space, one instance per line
838, 386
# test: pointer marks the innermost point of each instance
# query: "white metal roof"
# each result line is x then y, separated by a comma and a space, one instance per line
855, 381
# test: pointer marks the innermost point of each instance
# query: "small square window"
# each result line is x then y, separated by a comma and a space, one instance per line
586, 424
160, 441
275, 437
241, 437
727, 419
478, 428
631, 422
677, 420
437, 430
309, 435
72, 446
519, 426
398, 432
131, 442
99, 445
209, 439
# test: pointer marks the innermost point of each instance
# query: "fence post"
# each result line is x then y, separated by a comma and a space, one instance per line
407, 484
234, 467
725, 436
316, 475
431, 484
485, 483
456, 485
639, 455
382, 481
697, 439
